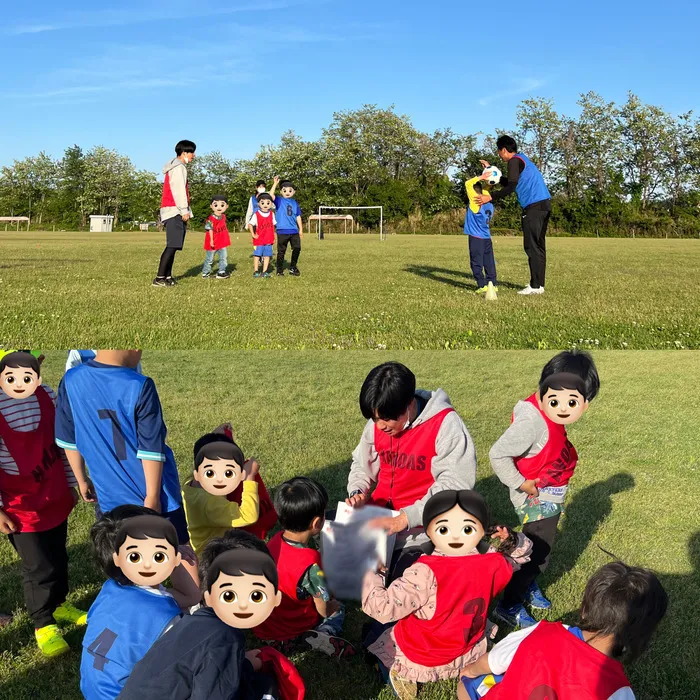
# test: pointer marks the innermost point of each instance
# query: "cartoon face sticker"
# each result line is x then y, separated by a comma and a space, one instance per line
219, 477
219, 206
19, 382
242, 601
455, 532
287, 191
147, 562
265, 205
563, 406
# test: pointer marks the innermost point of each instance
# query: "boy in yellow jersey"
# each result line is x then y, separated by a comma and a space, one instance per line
476, 226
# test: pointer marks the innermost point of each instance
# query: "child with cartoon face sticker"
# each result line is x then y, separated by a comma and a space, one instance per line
204, 656
441, 601
138, 550
536, 460
36, 496
219, 468
216, 238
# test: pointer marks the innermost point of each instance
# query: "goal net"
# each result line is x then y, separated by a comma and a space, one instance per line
346, 219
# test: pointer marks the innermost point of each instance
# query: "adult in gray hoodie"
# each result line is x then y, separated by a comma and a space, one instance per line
413, 446
174, 210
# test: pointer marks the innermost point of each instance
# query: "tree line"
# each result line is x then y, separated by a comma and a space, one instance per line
630, 169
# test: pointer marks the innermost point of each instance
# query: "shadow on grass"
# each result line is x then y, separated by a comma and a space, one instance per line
440, 274
196, 271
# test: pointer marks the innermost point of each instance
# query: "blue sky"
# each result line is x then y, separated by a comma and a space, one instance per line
138, 75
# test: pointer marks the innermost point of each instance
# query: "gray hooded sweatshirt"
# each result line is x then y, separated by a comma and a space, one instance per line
177, 171
453, 467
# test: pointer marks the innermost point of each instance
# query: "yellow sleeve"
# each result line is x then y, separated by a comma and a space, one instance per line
220, 512
471, 194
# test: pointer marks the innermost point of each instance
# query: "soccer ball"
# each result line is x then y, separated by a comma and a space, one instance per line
494, 175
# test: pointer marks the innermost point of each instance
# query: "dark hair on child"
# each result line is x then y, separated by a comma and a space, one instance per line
111, 530
219, 198
626, 602
264, 195
20, 359
507, 142
255, 558
286, 183
387, 391
217, 446
260, 182
579, 365
298, 501
478, 188
185, 146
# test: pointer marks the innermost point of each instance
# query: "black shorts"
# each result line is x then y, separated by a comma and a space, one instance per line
177, 518
175, 230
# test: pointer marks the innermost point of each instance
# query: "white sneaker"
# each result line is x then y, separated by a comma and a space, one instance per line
531, 290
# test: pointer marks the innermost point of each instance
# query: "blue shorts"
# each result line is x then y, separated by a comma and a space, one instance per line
262, 251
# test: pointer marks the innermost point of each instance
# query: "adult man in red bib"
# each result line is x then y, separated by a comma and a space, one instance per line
413, 446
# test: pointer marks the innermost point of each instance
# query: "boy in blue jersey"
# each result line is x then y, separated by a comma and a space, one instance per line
289, 228
137, 550
476, 226
109, 416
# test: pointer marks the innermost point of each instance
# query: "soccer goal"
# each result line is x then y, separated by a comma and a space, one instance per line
330, 216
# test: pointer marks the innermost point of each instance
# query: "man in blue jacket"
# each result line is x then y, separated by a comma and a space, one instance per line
533, 196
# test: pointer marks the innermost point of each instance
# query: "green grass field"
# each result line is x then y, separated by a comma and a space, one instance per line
409, 292
634, 493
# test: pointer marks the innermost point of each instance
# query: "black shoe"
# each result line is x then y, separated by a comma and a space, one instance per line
170, 282
159, 282
294, 271
222, 275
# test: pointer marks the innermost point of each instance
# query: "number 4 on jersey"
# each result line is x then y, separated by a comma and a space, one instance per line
100, 648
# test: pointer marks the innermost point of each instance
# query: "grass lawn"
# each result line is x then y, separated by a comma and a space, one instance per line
635, 491
409, 292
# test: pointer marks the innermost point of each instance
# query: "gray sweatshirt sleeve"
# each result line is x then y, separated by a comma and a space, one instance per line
249, 211
524, 438
453, 467
178, 186
365, 462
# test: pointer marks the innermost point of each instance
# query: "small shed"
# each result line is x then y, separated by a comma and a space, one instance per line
100, 223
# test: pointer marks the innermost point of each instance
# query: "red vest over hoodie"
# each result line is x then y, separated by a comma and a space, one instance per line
167, 200
553, 664
465, 588
268, 515
554, 464
405, 463
221, 237
38, 498
292, 616
265, 229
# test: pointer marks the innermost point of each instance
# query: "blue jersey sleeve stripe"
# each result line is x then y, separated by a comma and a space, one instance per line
157, 456
66, 445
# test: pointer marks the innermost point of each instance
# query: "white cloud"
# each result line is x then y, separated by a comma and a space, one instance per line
520, 88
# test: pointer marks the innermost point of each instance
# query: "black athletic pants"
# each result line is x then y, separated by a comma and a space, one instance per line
535, 220
44, 571
175, 230
282, 240
542, 533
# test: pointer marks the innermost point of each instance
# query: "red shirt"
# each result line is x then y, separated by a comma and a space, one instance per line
292, 617
167, 200
405, 463
220, 231
38, 498
554, 464
553, 664
265, 229
465, 588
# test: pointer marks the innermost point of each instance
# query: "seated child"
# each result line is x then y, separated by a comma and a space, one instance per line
308, 613
219, 467
216, 238
441, 601
262, 229
535, 459
137, 550
36, 496
203, 655
622, 605
476, 226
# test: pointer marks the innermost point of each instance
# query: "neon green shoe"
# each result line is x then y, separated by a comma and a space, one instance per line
50, 641
481, 290
67, 613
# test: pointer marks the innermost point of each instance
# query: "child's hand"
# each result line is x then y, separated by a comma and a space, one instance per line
256, 236
357, 501
529, 486
482, 199
484, 176
276, 179
251, 468
501, 532
7, 524
87, 491
252, 656
152, 502
188, 554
